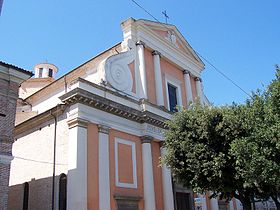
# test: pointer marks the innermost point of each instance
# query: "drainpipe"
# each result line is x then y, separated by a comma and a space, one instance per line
54, 158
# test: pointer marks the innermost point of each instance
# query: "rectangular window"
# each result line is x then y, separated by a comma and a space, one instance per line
40, 72
50, 72
172, 95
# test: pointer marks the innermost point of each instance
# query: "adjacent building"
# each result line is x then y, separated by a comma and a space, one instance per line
10, 79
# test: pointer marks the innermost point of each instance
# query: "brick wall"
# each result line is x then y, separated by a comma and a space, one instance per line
8, 97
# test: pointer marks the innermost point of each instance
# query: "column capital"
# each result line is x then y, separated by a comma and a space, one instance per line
103, 129
198, 79
155, 52
186, 71
146, 139
140, 43
77, 122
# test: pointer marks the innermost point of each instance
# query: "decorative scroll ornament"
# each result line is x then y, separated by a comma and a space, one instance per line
172, 37
115, 71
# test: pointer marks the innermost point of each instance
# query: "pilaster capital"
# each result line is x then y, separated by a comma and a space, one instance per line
198, 79
103, 129
146, 139
77, 122
140, 43
186, 72
155, 52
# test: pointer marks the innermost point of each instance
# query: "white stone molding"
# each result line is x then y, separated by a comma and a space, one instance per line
6, 159
77, 167
188, 86
148, 176
134, 164
104, 168
77, 122
167, 185
153, 131
141, 70
176, 83
143, 30
158, 78
115, 70
198, 84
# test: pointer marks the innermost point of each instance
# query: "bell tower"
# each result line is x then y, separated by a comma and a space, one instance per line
45, 70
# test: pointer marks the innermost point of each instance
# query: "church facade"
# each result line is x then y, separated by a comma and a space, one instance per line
92, 139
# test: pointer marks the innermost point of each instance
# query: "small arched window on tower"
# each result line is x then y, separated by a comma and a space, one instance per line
25, 196
50, 73
62, 191
40, 72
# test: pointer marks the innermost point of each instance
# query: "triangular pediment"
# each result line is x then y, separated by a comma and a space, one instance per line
169, 33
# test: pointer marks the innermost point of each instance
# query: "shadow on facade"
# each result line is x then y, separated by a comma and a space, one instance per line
37, 194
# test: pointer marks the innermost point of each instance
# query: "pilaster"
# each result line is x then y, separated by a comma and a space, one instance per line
158, 78
198, 83
168, 200
188, 86
77, 165
148, 176
141, 70
104, 168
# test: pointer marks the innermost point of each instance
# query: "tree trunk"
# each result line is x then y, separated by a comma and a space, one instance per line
246, 202
277, 203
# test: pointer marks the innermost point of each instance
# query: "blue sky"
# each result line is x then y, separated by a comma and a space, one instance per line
241, 38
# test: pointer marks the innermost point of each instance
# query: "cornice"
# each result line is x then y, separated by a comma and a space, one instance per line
81, 96
194, 59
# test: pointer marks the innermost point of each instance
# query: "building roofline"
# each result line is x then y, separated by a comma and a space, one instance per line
16, 68
60, 78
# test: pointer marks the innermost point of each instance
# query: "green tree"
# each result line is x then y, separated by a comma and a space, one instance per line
232, 151
258, 155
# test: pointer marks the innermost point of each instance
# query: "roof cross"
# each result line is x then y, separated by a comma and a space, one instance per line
165, 15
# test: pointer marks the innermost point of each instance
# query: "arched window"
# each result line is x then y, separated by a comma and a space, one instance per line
62, 191
25, 196
50, 73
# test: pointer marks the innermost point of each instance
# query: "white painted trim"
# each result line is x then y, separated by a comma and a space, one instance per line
169, 51
188, 88
148, 177
77, 169
176, 83
141, 71
158, 80
134, 164
97, 116
104, 172
168, 200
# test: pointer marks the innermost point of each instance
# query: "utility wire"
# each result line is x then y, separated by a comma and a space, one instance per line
224, 75
37, 161
212, 65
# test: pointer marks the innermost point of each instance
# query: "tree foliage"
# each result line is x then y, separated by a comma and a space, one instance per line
231, 150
